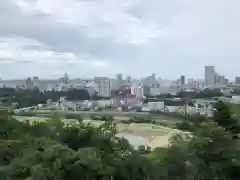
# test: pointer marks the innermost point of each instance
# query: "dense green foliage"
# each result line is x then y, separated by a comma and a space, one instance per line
206, 93
26, 98
52, 150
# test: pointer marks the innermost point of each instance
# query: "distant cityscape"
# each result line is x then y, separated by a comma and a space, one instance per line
120, 95
104, 86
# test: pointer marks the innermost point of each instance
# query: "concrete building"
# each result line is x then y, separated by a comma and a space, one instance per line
103, 86
119, 77
138, 91
64, 79
210, 75
146, 90
119, 80
237, 80
29, 83
106, 103
35, 80
182, 80
129, 79
155, 90
221, 80
156, 106
153, 76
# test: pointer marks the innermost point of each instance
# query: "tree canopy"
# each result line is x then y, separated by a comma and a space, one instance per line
26, 98
59, 151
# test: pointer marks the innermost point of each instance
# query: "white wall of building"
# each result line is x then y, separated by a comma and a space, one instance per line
103, 86
138, 91
156, 106
154, 91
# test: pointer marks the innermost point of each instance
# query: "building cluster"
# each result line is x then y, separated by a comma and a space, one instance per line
213, 79
202, 107
107, 87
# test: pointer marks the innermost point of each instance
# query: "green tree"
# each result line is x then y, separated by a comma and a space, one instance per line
224, 117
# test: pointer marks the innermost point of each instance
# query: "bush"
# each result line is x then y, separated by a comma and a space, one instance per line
107, 118
140, 119
73, 116
186, 126
26, 114
126, 122
95, 117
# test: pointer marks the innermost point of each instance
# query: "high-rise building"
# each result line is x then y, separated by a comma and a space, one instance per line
119, 77
119, 80
138, 91
220, 80
182, 80
35, 78
237, 81
64, 79
129, 79
210, 75
103, 85
29, 83
153, 76
226, 80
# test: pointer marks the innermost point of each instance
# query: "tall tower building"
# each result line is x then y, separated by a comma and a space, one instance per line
103, 86
210, 75
153, 76
29, 83
237, 80
119, 77
129, 79
119, 80
64, 79
182, 80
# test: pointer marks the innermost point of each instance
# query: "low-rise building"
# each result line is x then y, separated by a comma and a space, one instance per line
138, 91
156, 106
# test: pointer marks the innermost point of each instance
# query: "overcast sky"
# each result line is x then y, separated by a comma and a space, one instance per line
104, 37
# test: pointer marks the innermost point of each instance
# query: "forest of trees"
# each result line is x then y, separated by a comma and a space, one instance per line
206, 93
25, 98
54, 151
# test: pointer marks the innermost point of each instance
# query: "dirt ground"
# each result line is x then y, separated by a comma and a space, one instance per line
158, 136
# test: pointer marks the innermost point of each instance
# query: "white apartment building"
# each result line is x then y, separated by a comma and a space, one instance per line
103, 86
155, 106
138, 91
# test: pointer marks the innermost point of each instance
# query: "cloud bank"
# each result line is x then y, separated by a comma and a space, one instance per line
104, 37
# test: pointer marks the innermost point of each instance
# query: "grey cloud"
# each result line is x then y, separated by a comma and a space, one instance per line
194, 34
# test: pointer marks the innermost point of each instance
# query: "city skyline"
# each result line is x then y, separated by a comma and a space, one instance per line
126, 76
105, 37
211, 76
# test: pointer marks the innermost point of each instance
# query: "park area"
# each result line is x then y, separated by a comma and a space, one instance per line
138, 134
